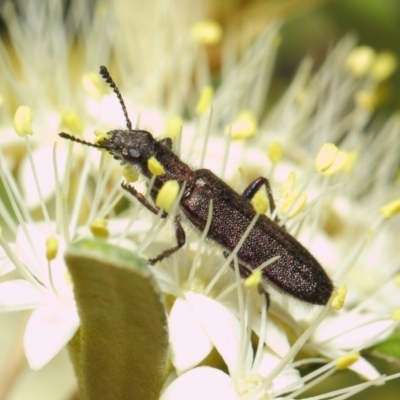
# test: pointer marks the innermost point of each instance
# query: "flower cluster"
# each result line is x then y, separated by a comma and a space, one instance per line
333, 168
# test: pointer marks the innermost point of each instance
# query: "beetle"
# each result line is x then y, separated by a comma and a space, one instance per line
294, 271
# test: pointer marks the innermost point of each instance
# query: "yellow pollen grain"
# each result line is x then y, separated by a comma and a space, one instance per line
347, 360
167, 195
350, 161
366, 100
360, 60
395, 315
300, 202
99, 228
130, 173
155, 167
390, 209
94, 85
207, 32
260, 202
72, 121
51, 248
174, 126
245, 126
338, 164
288, 185
253, 280
23, 121
275, 152
384, 66
339, 296
205, 99
325, 157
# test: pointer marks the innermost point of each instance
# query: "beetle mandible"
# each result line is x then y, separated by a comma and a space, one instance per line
295, 271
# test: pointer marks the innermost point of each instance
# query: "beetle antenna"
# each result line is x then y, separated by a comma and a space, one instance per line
106, 75
75, 139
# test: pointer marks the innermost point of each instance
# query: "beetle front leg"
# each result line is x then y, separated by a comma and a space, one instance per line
180, 239
142, 199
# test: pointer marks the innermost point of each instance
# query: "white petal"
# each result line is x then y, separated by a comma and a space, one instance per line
222, 328
6, 266
49, 329
190, 344
203, 383
43, 160
366, 370
19, 295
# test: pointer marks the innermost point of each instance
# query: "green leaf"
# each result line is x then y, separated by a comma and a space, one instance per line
390, 348
121, 349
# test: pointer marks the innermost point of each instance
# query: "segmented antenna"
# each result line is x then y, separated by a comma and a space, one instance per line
75, 139
106, 75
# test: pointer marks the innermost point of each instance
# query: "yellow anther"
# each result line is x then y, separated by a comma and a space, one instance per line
360, 60
130, 173
384, 66
275, 152
350, 162
94, 85
390, 209
260, 202
23, 121
174, 126
245, 125
288, 185
155, 167
396, 279
167, 195
347, 360
339, 296
72, 121
100, 136
207, 32
205, 99
326, 157
51, 248
99, 228
253, 280
366, 100
298, 206
395, 315
338, 164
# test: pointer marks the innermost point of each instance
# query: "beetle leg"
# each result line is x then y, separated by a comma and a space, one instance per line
142, 199
253, 188
180, 239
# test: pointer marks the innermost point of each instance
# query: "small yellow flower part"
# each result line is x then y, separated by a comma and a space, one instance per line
326, 157
337, 165
100, 136
130, 173
51, 248
260, 202
174, 126
205, 99
396, 279
94, 85
99, 228
253, 280
347, 360
207, 32
167, 195
297, 207
385, 65
395, 315
350, 161
72, 121
339, 296
245, 125
360, 60
288, 185
275, 152
366, 100
155, 167
23, 121
390, 209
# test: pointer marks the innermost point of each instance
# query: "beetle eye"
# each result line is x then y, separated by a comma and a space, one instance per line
134, 153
